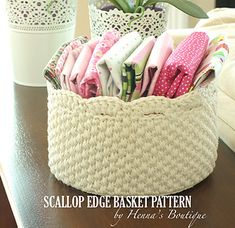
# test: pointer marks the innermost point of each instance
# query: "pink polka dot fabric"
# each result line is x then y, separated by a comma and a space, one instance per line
176, 77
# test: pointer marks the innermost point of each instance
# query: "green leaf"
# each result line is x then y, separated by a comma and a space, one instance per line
114, 2
125, 5
186, 6
137, 4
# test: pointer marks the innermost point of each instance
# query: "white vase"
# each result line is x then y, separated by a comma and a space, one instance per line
36, 31
104, 17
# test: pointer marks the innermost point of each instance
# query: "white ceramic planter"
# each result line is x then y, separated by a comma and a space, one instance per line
36, 31
103, 18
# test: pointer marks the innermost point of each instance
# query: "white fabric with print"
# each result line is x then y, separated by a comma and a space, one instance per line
109, 66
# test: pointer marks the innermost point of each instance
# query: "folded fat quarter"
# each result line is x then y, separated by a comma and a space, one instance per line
90, 84
176, 77
133, 70
110, 65
50, 70
61, 61
161, 51
67, 68
211, 66
80, 65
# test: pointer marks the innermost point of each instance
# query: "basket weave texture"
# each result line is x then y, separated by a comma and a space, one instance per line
151, 146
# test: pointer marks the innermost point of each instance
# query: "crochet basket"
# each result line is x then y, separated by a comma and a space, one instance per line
150, 146
152, 23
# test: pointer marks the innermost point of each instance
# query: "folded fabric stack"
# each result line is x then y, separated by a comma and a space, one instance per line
55, 65
129, 67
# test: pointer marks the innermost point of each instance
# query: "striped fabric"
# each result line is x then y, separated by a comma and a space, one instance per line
133, 70
214, 59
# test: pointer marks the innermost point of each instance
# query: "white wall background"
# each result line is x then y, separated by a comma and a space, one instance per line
178, 19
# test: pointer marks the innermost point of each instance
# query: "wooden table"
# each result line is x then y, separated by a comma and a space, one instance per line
27, 178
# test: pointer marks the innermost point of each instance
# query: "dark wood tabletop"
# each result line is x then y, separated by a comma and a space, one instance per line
27, 178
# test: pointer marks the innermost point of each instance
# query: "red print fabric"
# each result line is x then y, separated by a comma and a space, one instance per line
176, 77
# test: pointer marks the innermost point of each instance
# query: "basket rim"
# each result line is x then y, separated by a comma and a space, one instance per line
195, 95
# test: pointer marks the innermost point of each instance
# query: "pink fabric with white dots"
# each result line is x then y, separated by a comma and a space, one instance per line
176, 77
90, 85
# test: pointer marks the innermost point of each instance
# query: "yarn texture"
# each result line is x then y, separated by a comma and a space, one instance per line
150, 146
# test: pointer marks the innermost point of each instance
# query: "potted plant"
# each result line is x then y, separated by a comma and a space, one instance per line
37, 28
148, 17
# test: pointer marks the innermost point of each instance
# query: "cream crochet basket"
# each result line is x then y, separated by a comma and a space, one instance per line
151, 146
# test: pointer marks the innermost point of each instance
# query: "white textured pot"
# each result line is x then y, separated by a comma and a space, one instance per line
36, 31
103, 18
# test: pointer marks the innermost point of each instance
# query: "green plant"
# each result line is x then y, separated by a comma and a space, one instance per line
138, 6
